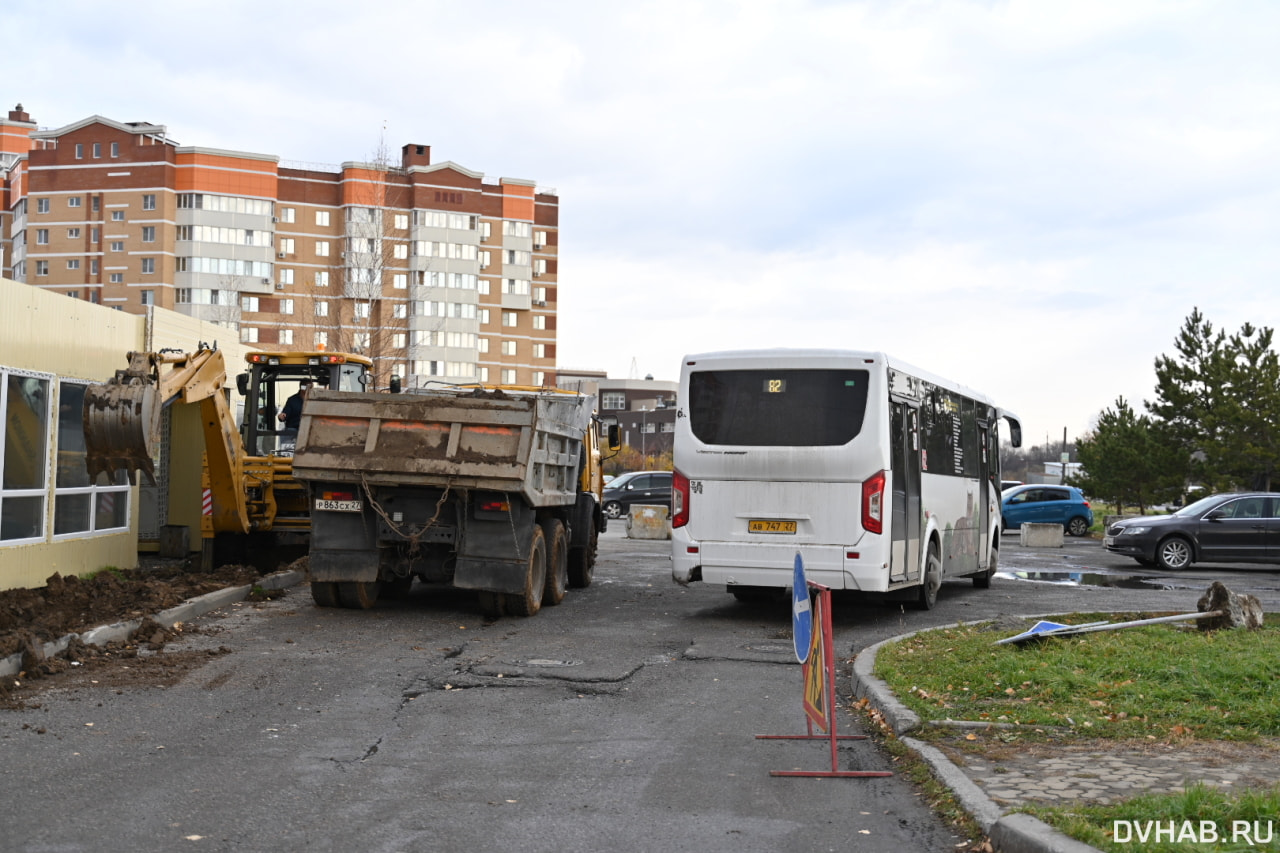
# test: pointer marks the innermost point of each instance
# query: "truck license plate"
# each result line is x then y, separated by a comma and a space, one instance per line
761, 525
338, 506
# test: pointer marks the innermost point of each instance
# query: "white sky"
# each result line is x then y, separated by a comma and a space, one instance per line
1027, 197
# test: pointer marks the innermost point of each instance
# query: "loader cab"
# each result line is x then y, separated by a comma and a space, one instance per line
275, 386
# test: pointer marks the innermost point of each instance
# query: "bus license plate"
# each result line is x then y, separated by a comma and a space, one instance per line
758, 525
338, 506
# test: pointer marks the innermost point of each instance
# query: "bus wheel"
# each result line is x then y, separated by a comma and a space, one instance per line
557, 562
932, 579
529, 602
982, 580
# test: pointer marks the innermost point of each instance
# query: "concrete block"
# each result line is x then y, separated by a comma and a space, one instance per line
648, 522
1041, 535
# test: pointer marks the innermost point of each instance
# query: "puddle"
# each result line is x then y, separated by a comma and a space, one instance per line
1091, 579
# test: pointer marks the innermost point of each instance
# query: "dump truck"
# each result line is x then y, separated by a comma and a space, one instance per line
489, 488
252, 506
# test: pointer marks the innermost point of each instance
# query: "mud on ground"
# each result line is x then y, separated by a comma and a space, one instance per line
71, 605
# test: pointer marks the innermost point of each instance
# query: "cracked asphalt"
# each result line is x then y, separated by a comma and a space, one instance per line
624, 719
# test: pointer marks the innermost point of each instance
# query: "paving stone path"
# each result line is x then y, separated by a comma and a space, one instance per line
1012, 775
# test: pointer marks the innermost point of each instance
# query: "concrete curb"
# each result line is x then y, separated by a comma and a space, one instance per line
1009, 833
120, 631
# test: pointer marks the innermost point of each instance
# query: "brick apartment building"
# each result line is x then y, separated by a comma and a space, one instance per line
434, 270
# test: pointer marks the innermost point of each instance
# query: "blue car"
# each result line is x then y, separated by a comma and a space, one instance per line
1034, 504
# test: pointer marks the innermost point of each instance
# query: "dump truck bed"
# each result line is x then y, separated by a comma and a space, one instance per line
509, 441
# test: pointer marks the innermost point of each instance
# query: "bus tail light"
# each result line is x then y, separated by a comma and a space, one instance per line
873, 503
679, 499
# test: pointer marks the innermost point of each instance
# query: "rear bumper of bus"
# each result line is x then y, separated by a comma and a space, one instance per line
864, 567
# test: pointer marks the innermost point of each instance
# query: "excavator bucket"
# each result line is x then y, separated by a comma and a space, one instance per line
122, 425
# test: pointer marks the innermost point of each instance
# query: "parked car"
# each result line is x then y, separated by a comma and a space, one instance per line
637, 487
1232, 528
1037, 504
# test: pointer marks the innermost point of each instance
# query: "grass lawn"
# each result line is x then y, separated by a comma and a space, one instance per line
1165, 682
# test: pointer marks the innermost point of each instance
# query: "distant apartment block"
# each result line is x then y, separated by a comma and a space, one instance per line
435, 271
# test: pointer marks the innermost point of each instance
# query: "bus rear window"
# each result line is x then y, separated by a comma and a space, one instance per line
777, 408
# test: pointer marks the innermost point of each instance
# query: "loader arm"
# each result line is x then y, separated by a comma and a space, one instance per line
122, 424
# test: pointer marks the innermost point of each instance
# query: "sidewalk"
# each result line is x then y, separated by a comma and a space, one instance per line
989, 778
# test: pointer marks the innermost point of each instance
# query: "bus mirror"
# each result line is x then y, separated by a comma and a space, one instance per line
395, 384
615, 436
242, 384
364, 379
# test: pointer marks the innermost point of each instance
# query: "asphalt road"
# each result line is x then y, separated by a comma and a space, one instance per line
623, 719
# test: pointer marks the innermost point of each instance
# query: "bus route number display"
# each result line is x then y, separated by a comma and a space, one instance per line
775, 386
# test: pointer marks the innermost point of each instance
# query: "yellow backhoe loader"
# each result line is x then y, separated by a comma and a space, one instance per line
251, 503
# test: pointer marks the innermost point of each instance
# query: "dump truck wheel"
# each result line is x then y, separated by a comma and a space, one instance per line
358, 595
557, 562
324, 593
582, 561
530, 601
491, 604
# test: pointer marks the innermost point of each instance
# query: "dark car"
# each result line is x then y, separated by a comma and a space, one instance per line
1234, 528
1034, 504
639, 487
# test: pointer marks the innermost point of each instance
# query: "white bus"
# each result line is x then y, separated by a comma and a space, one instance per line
883, 477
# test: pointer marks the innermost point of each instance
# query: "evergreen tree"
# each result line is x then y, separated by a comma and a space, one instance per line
1129, 460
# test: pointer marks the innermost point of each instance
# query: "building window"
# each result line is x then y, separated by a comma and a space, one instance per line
116, 278
42, 205
322, 248
613, 400
322, 218
287, 214
42, 236
24, 451
400, 281
508, 376
149, 201
117, 245
93, 266
509, 318
249, 304
285, 276
286, 245
148, 266
398, 340
73, 233
286, 337
539, 350
361, 310
248, 335
286, 306
402, 221
540, 322
42, 267
73, 264
148, 233
401, 251
97, 150
508, 347
117, 216
482, 346
483, 314
148, 297
322, 279
322, 339
322, 309
95, 204
95, 234
115, 149
79, 150
399, 311
73, 201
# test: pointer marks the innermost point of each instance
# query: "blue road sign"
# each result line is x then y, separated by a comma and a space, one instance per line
801, 613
